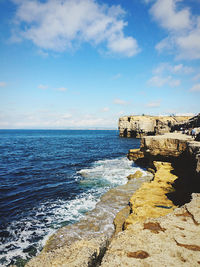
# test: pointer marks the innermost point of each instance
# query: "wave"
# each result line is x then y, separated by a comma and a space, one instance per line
112, 172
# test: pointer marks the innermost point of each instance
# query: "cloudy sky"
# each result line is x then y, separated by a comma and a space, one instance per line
84, 63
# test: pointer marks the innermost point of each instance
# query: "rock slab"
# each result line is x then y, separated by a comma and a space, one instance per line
172, 240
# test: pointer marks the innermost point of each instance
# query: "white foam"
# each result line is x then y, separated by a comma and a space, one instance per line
56, 215
114, 171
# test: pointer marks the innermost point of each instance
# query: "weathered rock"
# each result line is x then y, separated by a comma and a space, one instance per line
191, 123
171, 146
184, 154
135, 154
138, 126
137, 174
171, 240
120, 219
167, 145
82, 253
193, 150
150, 200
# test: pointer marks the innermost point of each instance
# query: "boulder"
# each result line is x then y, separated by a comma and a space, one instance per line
137, 174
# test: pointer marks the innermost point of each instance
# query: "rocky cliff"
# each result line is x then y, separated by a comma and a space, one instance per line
182, 152
138, 126
150, 231
157, 232
193, 122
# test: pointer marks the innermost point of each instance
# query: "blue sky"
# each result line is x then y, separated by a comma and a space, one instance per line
84, 63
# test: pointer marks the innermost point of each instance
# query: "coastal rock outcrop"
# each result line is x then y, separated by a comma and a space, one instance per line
157, 232
167, 145
138, 126
191, 123
183, 153
171, 240
150, 200
172, 147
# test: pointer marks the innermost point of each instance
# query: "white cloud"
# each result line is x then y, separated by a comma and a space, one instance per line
175, 69
185, 114
3, 84
169, 16
42, 86
174, 82
55, 120
183, 28
121, 112
195, 88
117, 76
159, 81
66, 116
106, 109
61, 89
154, 104
196, 77
61, 25
121, 102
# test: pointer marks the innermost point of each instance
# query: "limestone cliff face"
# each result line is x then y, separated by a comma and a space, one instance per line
169, 147
156, 232
170, 144
184, 155
138, 126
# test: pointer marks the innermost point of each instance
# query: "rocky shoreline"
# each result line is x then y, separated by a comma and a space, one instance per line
156, 217
84, 243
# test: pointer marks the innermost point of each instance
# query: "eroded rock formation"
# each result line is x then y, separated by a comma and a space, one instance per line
171, 240
138, 126
157, 233
150, 200
172, 147
193, 122
184, 155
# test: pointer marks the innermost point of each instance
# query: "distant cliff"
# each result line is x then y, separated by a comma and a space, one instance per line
192, 123
138, 126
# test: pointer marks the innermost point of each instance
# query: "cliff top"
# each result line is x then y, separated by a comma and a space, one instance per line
178, 136
181, 118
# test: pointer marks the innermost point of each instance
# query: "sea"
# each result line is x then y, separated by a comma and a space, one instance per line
50, 179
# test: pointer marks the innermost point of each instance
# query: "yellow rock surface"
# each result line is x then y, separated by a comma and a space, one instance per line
150, 201
169, 241
135, 154
137, 174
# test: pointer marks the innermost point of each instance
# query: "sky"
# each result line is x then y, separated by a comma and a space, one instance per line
82, 64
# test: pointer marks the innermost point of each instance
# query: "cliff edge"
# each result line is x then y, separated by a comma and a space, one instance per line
138, 126
157, 232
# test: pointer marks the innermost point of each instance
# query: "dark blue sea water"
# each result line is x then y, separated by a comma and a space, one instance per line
50, 178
